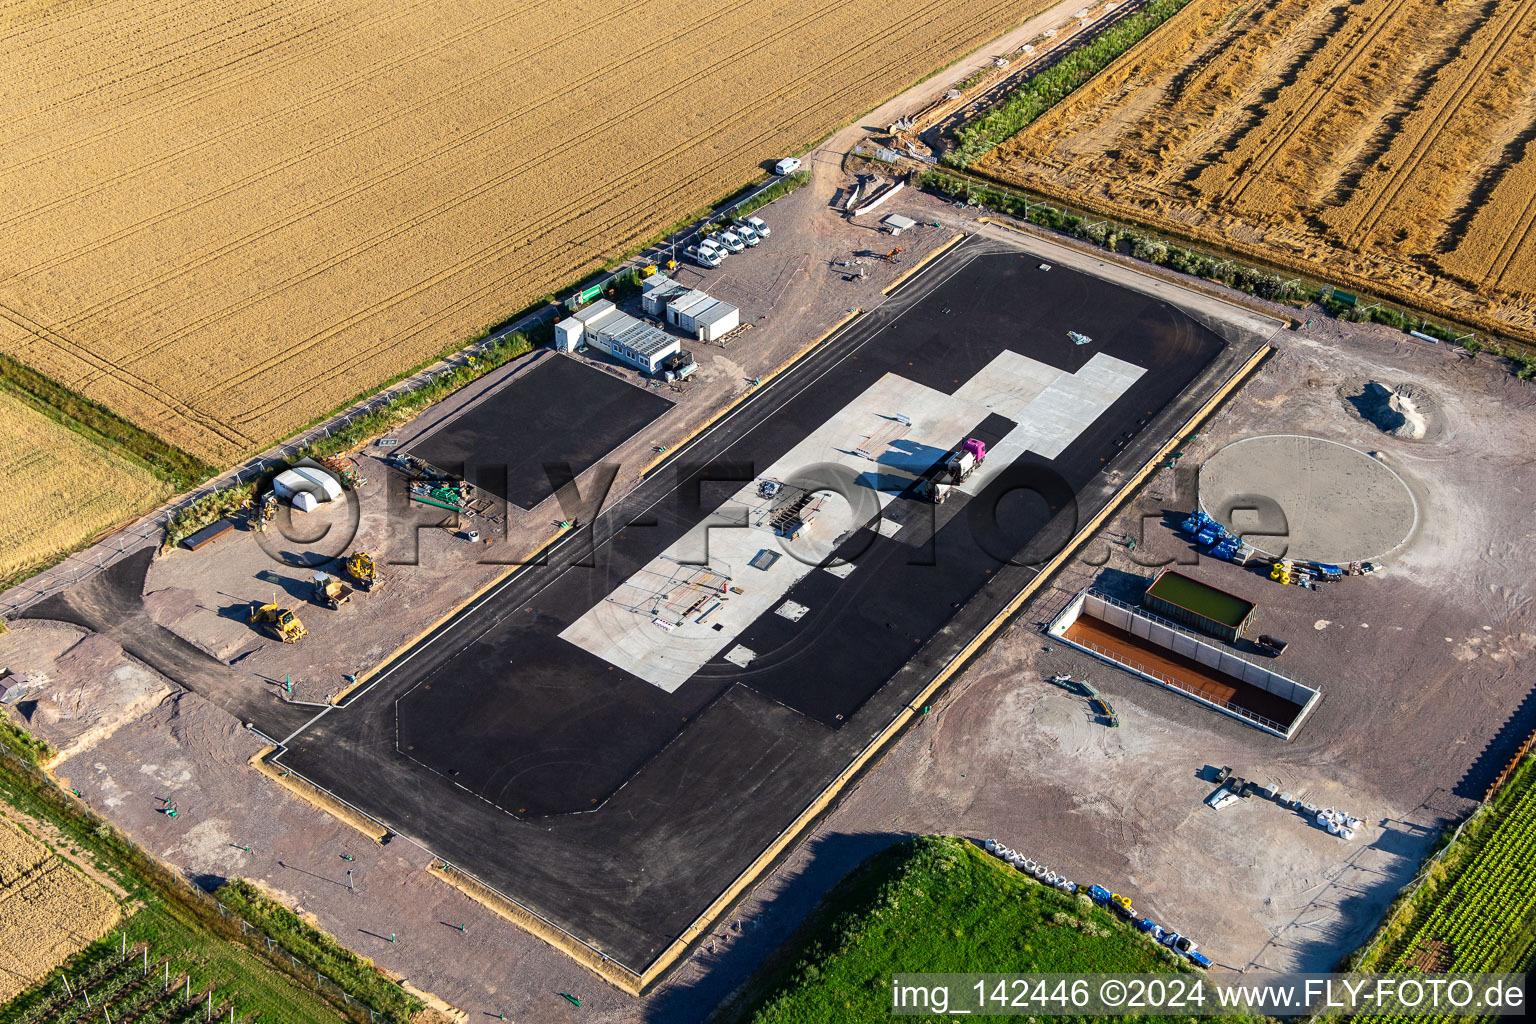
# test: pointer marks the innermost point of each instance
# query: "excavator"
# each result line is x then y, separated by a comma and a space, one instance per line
361, 569
264, 512
281, 621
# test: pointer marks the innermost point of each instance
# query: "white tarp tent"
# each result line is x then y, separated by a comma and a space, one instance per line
304, 501
324, 486
308, 481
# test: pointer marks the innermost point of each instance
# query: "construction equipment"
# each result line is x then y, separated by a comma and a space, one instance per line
793, 515
1186, 947
441, 493
1122, 906
892, 256
1218, 541
957, 465
345, 471
264, 512
330, 592
281, 621
361, 568
1273, 646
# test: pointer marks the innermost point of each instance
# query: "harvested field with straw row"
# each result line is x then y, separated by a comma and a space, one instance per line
48, 910
226, 219
1387, 146
61, 489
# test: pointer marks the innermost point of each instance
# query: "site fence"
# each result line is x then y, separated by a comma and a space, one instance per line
151, 528
1175, 683
1227, 706
276, 952
295, 967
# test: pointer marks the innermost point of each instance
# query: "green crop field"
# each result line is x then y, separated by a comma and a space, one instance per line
934, 904
1476, 911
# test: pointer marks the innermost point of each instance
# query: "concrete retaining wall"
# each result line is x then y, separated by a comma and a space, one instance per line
1164, 635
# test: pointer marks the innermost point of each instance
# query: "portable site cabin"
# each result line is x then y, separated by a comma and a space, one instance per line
12, 687
706, 318
716, 321
658, 290
680, 308
603, 326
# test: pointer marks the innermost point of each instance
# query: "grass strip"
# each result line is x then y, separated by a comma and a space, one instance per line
21, 742
779, 189
196, 961
102, 426
1040, 92
316, 948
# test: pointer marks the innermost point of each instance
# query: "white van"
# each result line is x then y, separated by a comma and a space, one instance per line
730, 240
789, 165
756, 224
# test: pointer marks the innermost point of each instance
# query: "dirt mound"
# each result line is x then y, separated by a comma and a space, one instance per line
1403, 410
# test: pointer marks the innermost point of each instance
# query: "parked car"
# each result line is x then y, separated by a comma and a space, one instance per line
756, 224
789, 165
703, 257
730, 240
713, 248
746, 234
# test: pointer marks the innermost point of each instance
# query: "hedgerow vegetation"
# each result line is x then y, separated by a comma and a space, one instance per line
1040, 92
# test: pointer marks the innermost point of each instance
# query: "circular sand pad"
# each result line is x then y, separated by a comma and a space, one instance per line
1307, 498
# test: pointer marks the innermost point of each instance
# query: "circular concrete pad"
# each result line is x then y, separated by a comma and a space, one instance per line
1307, 498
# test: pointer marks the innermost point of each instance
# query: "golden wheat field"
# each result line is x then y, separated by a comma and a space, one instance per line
48, 910
1383, 145
60, 489
224, 219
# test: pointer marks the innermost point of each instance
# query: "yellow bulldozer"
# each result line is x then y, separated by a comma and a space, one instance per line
280, 621
361, 569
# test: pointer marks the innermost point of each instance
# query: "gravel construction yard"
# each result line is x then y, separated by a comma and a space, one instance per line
1420, 665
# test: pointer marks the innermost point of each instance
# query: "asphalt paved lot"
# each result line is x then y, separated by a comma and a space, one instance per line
677, 793
540, 430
